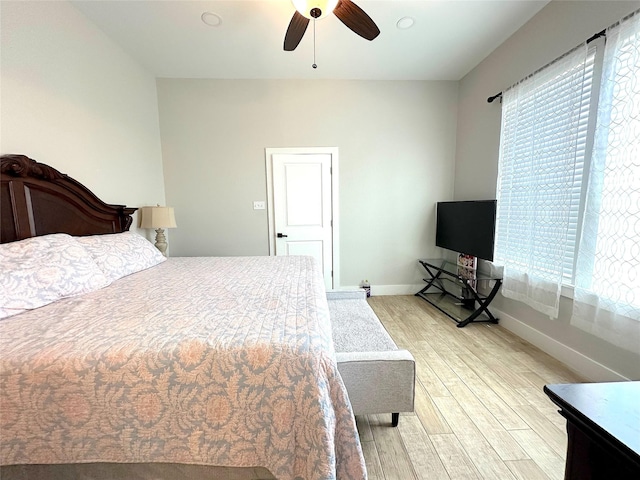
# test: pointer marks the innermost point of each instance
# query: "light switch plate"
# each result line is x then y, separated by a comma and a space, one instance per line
258, 205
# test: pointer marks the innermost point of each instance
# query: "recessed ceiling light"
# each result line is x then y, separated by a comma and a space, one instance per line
405, 22
211, 19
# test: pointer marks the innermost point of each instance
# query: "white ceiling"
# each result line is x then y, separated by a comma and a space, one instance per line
448, 39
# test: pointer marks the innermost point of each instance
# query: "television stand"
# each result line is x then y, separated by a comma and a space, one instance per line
456, 292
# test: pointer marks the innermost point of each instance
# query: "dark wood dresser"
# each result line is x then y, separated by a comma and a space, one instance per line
603, 427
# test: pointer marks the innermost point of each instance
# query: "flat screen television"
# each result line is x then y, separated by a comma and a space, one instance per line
467, 227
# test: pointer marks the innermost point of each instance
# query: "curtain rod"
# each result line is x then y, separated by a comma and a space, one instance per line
595, 36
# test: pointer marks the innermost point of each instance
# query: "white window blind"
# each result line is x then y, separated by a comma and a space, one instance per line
545, 122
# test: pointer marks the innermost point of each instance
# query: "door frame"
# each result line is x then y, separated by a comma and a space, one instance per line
335, 205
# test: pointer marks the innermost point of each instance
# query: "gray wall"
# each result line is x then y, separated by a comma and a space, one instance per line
396, 145
73, 99
557, 28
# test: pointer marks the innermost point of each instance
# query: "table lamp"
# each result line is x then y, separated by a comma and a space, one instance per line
158, 218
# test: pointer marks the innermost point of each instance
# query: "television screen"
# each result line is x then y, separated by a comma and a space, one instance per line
467, 227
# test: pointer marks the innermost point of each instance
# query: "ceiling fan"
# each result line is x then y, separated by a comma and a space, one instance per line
347, 12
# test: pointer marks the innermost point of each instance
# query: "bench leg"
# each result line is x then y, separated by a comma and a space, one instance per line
395, 418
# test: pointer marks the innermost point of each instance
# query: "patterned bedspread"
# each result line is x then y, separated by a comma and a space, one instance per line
215, 361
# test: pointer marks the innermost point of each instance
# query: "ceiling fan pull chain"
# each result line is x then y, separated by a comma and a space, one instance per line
314, 44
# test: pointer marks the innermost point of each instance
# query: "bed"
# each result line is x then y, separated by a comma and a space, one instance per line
188, 365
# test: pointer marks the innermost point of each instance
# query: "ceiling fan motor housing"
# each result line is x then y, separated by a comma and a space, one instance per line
347, 12
315, 9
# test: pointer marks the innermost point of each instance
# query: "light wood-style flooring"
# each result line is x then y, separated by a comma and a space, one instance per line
480, 411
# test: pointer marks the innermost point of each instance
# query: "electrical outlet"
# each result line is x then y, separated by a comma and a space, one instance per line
259, 205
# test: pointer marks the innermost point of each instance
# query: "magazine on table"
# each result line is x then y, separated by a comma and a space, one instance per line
467, 265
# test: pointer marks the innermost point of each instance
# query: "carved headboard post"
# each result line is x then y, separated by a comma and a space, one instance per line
36, 199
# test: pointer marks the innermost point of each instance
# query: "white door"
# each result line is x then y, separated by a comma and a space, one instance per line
302, 207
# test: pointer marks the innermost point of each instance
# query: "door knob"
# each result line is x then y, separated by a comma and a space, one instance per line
282, 235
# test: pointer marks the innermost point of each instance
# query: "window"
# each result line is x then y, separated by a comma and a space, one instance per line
569, 180
543, 144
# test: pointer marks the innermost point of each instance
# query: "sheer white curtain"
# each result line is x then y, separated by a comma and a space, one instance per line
542, 148
607, 283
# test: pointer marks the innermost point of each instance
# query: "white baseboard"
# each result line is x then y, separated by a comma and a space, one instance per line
388, 289
576, 361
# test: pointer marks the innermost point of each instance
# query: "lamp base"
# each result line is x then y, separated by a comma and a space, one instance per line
161, 241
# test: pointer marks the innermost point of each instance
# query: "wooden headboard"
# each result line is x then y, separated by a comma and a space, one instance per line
36, 199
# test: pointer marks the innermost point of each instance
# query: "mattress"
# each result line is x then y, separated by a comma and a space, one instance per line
208, 361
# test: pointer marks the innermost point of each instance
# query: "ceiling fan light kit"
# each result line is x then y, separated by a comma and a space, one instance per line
315, 8
347, 12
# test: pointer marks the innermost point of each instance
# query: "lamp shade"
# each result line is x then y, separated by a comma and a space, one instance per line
157, 217
305, 7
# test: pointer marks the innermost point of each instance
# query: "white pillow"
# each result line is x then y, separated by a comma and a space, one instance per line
121, 254
40, 270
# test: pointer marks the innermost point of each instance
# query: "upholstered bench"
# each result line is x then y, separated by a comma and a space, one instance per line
379, 377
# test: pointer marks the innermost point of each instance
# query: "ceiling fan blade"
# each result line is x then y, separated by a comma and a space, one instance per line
356, 19
295, 31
